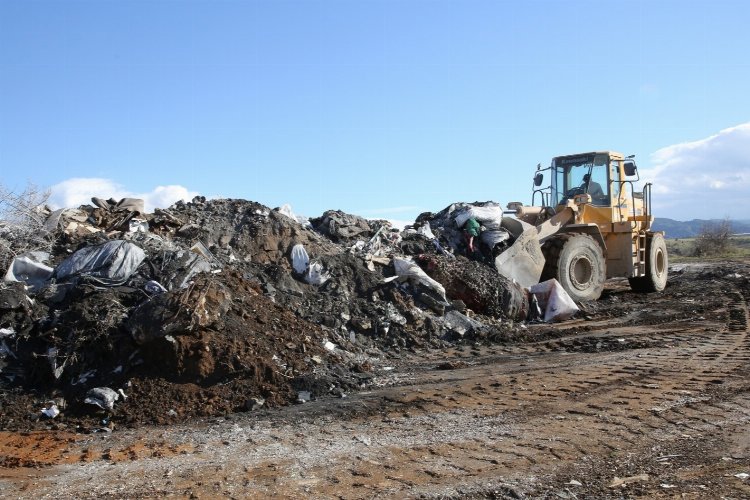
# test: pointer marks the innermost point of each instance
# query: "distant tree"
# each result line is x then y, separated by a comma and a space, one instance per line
22, 217
713, 238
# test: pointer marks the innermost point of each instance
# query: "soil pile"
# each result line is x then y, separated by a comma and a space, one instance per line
217, 306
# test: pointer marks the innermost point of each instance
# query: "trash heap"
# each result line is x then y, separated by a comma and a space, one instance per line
217, 306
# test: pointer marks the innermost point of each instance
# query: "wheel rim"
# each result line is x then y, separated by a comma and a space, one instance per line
581, 273
659, 263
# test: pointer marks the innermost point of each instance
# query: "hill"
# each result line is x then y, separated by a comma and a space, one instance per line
689, 229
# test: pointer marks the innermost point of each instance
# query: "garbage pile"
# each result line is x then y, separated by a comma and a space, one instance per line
217, 306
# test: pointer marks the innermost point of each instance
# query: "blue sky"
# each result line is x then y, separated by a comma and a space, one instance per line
380, 108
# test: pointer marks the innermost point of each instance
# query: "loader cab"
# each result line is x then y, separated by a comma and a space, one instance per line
585, 173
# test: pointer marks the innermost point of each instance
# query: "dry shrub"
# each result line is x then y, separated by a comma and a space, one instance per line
713, 239
22, 217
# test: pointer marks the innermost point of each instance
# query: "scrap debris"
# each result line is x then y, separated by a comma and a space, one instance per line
205, 306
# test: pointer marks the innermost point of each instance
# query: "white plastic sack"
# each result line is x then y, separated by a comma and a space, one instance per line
425, 230
111, 263
406, 268
28, 269
312, 272
103, 397
316, 275
300, 259
489, 214
554, 300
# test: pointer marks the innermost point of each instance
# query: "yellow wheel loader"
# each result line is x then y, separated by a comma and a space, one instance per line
590, 225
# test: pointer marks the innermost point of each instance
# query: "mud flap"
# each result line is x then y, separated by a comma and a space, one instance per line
523, 262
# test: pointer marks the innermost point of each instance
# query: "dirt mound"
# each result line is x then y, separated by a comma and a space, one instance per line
200, 310
478, 286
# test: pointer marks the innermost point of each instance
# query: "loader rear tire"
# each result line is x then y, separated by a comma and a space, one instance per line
577, 262
657, 264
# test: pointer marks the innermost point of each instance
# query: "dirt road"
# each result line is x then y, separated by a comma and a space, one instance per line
645, 396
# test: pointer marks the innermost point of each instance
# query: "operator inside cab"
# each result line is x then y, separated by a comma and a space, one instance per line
585, 173
593, 188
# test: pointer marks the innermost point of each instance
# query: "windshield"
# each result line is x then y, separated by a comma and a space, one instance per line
581, 174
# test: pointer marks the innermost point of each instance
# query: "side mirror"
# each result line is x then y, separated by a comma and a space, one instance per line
538, 179
630, 169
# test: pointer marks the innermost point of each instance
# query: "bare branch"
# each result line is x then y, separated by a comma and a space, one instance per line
713, 238
22, 217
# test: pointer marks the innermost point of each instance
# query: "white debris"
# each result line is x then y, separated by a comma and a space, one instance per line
316, 274
51, 412
103, 397
364, 440
300, 259
84, 377
554, 300
406, 268
303, 396
617, 481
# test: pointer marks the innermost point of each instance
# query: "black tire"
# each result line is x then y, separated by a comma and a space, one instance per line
657, 264
577, 262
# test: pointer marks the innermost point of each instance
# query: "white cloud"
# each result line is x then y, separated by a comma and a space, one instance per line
704, 179
79, 191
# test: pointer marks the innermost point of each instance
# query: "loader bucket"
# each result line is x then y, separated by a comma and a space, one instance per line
523, 262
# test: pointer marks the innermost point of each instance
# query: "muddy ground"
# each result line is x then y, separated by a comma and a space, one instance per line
641, 395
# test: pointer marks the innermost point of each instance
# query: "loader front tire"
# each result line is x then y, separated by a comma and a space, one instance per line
577, 262
657, 263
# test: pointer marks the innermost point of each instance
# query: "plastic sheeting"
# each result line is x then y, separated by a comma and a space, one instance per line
196, 264
286, 209
406, 268
111, 263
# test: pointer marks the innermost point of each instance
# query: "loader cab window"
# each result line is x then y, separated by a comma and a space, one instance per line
582, 174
